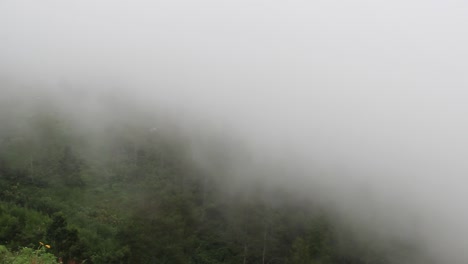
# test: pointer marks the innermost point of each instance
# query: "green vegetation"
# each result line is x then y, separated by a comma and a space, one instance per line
127, 194
27, 256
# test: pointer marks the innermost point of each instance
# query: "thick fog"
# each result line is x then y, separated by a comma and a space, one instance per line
366, 101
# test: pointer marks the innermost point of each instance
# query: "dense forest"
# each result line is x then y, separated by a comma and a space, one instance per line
131, 192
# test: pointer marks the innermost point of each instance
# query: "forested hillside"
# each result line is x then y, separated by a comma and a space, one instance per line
129, 192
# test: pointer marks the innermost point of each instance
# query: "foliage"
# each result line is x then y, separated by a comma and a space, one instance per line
65, 241
27, 256
130, 195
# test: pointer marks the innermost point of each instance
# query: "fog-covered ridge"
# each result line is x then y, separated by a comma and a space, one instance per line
360, 105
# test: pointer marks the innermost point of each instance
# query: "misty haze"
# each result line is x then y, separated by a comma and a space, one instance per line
296, 132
